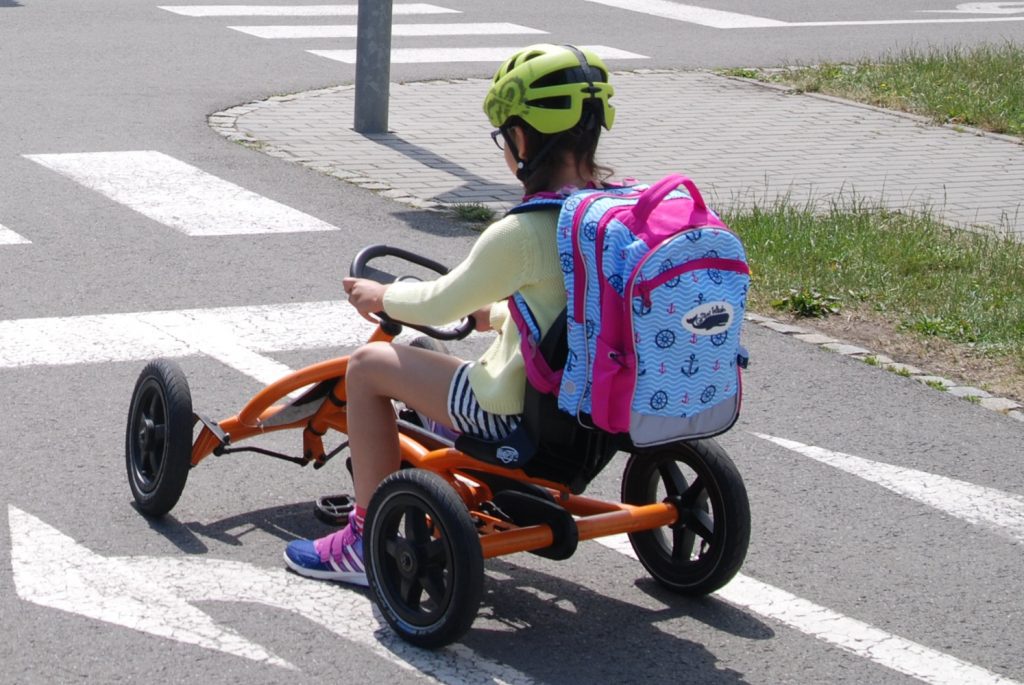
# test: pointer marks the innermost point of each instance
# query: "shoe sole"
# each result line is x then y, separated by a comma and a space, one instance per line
350, 578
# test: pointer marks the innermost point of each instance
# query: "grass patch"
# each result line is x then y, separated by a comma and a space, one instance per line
741, 73
909, 269
807, 303
980, 86
473, 212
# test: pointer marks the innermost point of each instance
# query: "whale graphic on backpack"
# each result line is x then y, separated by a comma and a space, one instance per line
657, 288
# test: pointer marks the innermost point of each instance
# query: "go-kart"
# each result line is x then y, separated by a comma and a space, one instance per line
431, 525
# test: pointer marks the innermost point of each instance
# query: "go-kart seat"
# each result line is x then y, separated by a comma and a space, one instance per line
549, 443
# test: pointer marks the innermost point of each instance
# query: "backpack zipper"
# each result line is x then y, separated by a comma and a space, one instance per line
645, 287
580, 294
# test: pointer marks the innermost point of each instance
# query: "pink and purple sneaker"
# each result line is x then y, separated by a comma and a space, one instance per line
338, 556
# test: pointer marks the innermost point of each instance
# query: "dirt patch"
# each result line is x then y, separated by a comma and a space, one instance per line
1001, 376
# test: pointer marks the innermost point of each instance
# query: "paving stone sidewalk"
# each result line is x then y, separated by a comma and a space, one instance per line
741, 141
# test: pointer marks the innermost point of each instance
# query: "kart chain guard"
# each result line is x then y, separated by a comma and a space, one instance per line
525, 509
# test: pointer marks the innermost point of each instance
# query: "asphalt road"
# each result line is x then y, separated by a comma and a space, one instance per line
899, 566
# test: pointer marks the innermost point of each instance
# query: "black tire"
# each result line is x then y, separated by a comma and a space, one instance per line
424, 561
158, 438
705, 548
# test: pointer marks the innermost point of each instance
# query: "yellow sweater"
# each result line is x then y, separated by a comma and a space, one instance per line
519, 252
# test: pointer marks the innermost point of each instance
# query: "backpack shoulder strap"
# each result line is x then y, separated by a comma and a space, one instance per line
538, 204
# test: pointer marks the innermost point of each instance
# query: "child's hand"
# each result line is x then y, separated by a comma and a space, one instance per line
483, 319
366, 296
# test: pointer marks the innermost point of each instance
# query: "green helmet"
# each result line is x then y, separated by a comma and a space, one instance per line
548, 87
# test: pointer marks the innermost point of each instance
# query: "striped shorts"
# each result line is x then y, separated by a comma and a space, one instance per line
469, 417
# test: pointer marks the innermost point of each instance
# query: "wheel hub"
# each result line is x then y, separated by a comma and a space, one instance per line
146, 431
407, 560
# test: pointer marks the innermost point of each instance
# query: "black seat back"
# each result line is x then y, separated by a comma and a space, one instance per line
550, 443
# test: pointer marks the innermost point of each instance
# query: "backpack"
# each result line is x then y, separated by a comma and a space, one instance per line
656, 287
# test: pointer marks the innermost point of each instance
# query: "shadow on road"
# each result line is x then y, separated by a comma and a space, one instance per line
556, 630
286, 522
543, 624
481, 187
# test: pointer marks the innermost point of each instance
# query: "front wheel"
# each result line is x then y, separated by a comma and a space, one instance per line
158, 438
424, 561
706, 546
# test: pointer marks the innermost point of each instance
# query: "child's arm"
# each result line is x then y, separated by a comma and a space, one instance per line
498, 265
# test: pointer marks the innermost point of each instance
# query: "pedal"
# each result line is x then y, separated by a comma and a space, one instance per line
334, 509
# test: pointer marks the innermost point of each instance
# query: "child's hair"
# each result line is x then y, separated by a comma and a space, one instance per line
578, 146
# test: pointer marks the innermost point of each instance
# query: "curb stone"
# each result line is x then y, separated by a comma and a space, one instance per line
982, 398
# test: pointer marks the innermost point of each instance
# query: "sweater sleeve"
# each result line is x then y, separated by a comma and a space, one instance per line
495, 268
499, 312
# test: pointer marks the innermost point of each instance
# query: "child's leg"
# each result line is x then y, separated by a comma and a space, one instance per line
378, 373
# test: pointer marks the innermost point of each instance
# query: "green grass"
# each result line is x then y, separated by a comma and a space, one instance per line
980, 86
911, 270
473, 212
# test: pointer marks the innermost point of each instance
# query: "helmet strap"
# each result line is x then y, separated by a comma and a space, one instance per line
589, 118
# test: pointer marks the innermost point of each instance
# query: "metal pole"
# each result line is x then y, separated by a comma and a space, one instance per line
373, 66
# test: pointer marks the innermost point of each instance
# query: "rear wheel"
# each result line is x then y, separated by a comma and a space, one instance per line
158, 438
706, 546
424, 560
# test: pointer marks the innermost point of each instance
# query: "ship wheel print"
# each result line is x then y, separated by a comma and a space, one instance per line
659, 400
665, 339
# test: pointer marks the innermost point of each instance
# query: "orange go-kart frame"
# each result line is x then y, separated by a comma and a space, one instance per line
690, 531
594, 518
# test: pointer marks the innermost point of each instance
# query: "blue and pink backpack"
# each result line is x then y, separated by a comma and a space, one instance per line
657, 288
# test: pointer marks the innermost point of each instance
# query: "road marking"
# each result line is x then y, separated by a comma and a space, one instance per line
230, 334
849, 634
296, 10
898, 22
692, 14
718, 19
975, 504
9, 237
434, 55
405, 30
984, 8
179, 195
155, 595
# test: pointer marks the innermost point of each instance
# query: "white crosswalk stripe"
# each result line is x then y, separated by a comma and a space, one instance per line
704, 16
179, 195
866, 641
297, 10
420, 55
719, 19
232, 335
349, 30
399, 55
9, 237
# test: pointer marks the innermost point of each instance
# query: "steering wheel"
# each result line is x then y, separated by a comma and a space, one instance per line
392, 326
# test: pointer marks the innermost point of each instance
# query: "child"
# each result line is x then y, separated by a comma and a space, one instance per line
549, 103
